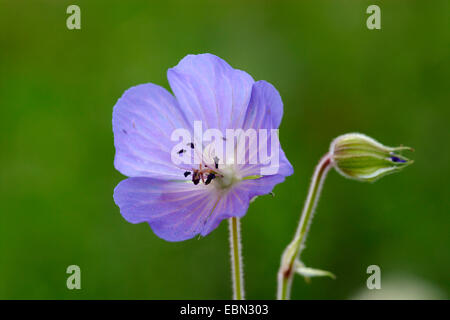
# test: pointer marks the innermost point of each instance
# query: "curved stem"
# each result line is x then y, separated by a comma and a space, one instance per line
292, 251
236, 258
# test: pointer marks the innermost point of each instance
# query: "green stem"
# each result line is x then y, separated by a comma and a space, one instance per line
292, 252
236, 258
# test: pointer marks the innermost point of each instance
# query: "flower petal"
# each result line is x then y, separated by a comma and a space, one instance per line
265, 111
178, 211
235, 202
143, 121
175, 210
210, 90
265, 108
282, 167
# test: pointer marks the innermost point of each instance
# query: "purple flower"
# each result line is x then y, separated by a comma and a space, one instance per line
182, 200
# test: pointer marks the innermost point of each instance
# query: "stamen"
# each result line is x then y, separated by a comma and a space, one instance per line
181, 151
216, 162
191, 144
195, 178
187, 173
209, 178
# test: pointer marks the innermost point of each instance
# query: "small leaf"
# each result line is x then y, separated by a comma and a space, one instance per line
310, 272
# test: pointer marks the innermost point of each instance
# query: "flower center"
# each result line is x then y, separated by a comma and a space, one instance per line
223, 175
227, 178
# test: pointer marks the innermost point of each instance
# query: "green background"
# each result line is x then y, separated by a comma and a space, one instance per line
57, 91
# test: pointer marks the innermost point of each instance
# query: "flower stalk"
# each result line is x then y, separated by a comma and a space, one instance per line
237, 272
293, 250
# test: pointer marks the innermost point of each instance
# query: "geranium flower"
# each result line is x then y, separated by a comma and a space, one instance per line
181, 200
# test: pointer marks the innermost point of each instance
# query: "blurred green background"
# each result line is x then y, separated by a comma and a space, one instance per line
57, 91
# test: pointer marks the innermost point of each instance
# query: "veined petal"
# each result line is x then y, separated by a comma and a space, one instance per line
283, 167
175, 210
210, 90
178, 211
264, 112
265, 108
143, 121
235, 202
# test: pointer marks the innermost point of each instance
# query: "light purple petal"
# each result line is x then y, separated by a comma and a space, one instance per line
265, 111
175, 210
143, 121
178, 211
210, 90
284, 166
236, 201
265, 108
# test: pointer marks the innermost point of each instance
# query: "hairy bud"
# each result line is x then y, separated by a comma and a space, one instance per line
357, 156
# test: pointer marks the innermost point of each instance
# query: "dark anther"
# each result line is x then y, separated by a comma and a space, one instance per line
396, 159
191, 145
181, 151
195, 178
209, 178
216, 162
187, 173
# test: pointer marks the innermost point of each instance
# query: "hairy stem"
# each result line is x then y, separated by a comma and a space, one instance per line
236, 258
292, 251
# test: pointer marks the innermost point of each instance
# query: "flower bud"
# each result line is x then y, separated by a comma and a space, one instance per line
357, 156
